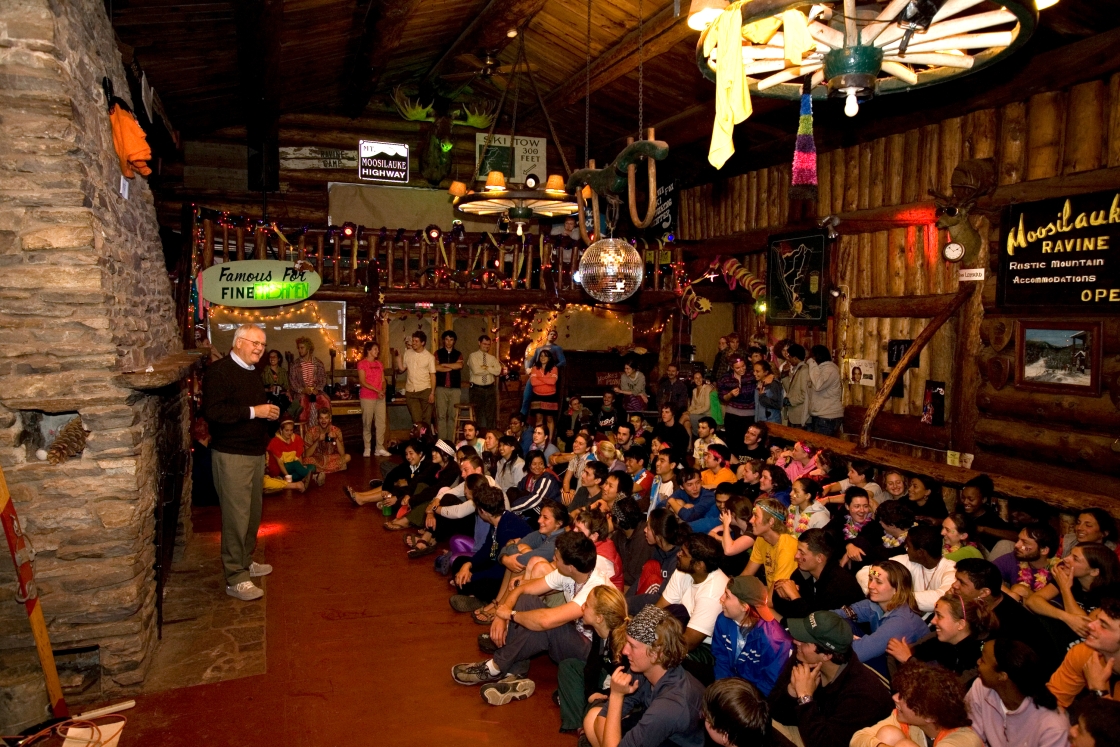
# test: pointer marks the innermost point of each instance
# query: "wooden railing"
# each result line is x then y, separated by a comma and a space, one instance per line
410, 260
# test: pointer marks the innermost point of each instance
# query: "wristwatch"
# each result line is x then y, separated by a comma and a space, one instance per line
805, 700
1100, 693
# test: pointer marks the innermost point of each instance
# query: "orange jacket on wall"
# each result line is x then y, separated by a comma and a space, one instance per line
130, 141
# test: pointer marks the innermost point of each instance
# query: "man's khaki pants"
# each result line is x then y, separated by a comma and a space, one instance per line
418, 406
239, 480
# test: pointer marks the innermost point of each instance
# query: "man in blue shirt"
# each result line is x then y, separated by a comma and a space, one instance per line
748, 641
694, 503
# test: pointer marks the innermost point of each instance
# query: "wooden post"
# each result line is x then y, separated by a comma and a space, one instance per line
354, 259
371, 257
319, 255
207, 243
406, 251
336, 259
302, 247
1087, 127
1046, 131
389, 252
914, 350
225, 243
262, 243
422, 264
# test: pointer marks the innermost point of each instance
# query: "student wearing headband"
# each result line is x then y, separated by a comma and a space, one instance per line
775, 549
670, 696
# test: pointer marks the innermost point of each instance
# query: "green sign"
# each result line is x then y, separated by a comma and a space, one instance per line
258, 282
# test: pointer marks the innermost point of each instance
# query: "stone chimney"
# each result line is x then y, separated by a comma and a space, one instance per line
84, 299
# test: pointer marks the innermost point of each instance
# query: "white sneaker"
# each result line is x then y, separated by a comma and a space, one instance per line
382, 453
259, 569
246, 591
366, 452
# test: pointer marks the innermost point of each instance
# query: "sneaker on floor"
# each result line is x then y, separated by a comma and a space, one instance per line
473, 674
320, 478
486, 644
257, 570
465, 603
382, 453
246, 591
507, 690
366, 452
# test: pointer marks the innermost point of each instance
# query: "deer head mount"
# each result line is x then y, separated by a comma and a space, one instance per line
435, 163
971, 180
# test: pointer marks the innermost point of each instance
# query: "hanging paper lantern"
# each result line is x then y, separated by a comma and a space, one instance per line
611, 270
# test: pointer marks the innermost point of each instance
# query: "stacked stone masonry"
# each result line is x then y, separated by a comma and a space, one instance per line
84, 295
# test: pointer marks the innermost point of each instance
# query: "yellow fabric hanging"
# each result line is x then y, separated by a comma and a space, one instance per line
797, 38
733, 101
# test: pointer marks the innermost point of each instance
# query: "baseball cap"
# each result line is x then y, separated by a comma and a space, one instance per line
826, 629
748, 590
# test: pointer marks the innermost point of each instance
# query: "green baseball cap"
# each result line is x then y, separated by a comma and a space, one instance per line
826, 629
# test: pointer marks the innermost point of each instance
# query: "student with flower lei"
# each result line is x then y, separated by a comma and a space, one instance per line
1028, 568
957, 531
805, 512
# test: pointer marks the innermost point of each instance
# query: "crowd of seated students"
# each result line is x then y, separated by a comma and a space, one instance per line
693, 590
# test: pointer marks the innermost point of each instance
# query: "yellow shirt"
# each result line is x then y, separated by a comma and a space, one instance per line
710, 481
778, 560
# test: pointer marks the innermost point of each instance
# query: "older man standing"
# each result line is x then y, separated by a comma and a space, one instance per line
238, 413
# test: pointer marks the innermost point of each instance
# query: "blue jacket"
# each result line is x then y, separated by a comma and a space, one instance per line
703, 512
484, 563
901, 622
768, 405
765, 652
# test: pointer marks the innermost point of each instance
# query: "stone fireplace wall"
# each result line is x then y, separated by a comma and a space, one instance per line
84, 295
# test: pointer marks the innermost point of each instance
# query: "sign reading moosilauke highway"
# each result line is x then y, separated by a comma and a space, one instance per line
382, 162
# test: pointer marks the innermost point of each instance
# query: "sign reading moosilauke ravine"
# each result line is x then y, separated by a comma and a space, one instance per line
382, 162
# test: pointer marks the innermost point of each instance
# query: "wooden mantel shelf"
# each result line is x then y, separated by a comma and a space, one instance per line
166, 370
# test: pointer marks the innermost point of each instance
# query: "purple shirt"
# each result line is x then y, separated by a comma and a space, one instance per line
1029, 725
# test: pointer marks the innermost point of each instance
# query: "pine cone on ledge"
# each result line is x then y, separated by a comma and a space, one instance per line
70, 442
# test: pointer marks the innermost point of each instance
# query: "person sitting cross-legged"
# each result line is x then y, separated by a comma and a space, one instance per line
929, 710
819, 582
692, 594
670, 696
748, 641
524, 626
825, 693
479, 577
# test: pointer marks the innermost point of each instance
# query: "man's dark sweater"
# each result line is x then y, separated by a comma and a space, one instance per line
228, 391
484, 563
833, 590
675, 438
858, 697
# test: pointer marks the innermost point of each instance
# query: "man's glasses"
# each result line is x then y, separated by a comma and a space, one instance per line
255, 344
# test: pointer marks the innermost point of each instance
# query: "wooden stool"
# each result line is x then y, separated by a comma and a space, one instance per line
461, 418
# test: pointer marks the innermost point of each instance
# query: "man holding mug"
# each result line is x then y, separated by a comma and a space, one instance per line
241, 420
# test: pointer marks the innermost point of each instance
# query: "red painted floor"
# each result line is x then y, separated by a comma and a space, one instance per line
360, 643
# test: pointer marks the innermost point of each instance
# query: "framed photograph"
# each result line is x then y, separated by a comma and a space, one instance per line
1059, 357
797, 279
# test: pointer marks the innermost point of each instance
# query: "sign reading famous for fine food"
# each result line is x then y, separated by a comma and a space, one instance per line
1062, 253
382, 162
257, 282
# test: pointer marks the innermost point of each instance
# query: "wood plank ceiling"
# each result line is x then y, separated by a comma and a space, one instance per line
189, 49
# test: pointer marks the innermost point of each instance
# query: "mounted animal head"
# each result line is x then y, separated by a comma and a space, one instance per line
971, 180
436, 159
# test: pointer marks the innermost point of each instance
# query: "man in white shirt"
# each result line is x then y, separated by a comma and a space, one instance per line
420, 384
697, 586
706, 432
484, 370
524, 627
826, 406
932, 574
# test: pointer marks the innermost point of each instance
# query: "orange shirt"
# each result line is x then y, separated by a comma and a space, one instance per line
1069, 680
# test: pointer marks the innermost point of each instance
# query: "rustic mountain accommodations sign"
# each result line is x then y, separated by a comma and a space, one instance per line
1062, 253
258, 282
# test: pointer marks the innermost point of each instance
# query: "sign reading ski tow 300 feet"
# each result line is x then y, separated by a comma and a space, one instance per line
1062, 253
382, 162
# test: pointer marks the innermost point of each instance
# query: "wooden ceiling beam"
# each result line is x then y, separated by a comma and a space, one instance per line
382, 28
488, 30
661, 33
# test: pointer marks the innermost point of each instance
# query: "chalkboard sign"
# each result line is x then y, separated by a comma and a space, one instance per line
1061, 253
797, 279
896, 349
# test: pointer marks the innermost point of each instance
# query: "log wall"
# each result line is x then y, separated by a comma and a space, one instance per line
1048, 136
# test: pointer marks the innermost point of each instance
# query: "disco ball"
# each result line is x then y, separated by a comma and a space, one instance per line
611, 270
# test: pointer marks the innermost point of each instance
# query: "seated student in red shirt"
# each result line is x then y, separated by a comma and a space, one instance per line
284, 453
594, 524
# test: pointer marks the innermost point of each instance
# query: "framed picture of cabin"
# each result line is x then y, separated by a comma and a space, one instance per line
1059, 357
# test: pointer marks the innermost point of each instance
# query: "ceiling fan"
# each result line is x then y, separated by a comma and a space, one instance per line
489, 69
